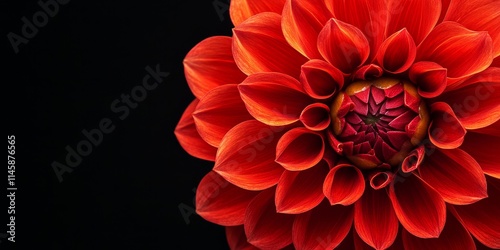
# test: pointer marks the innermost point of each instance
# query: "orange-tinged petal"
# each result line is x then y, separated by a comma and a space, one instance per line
300, 149
430, 78
221, 202
461, 51
419, 207
320, 79
259, 46
397, 52
343, 45
445, 130
417, 16
484, 149
237, 239
302, 21
373, 212
246, 156
220, 110
344, 185
241, 10
455, 175
316, 116
210, 64
188, 136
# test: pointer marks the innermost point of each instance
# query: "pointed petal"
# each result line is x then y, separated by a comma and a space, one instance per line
320, 79
323, 227
445, 130
490, 76
241, 10
419, 207
343, 45
430, 78
300, 191
259, 46
418, 16
300, 149
210, 64
484, 149
455, 175
316, 116
220, 110
274, 98
478, 15
454, 236
344, 185
221, 202
264, 227
481, 218
246, 156
302, 21
188, 136
373, 212
461, 51
397, 52
237, 239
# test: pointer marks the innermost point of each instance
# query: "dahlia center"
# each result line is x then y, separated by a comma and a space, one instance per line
377, 123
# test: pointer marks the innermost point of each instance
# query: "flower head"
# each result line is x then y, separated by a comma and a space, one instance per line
361, 124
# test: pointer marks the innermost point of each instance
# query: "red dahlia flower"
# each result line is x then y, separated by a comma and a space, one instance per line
350, 124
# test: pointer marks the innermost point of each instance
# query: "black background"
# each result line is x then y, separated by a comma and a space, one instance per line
126, 193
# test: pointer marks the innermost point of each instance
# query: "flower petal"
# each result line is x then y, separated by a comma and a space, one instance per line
264, 227
274, 98
481, 218
316, 116
413, 160
344, 185
320, 79
368, 72
300, 191
445, 130
455, 175
300, 149
324, 227
259, 46
418, 16
373, 212
221, 202
419, 207
210, 64
302, 21
478, 15
237, 239
379, 180
397, 52
188, 136
454, 236
241, 10
484, 149
220, 110
461, 51
343, 45
246, 156
430, 78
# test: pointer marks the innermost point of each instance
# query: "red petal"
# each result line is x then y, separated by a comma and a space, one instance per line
188, 136
397, 52
320, 79
344, 185
300, 191
463, 52
368, 72
274, 98
430, 78
419, 207
478, 15
219, 111
445, 130
372, 213
210, 64
413, 160
302, 21
343, 45
259, 46
418, 16
454, 236
484, 149
316, 117
481, 218
300, 149
323, 227
241, 10
237, 240
264, 227
455, 175
221, 202
380, 180
246, 156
